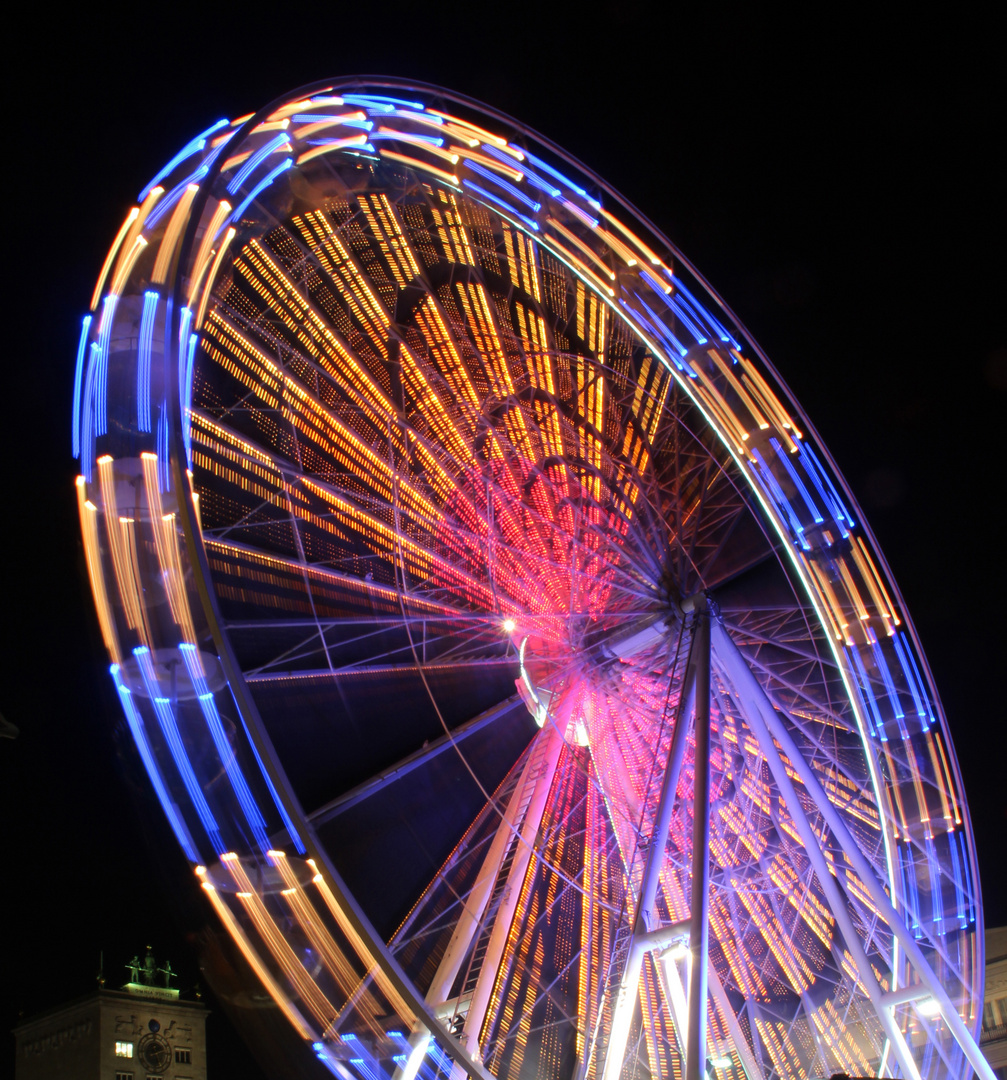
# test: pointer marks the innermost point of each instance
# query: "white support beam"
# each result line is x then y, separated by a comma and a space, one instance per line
699, 908
629, 985
473, 908
542, 766
765, 724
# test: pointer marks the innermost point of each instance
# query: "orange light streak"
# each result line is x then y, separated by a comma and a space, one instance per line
110, 257
446, 177
851, 589
306, 987
880, 583
581, 246
947, 786
92, 554
287, 1007
168, 553
211, 277
202, 260
831, 601
129, 588
359, 945
633, 239
568, 256
467, 125
329, 147
172, 234
738, 388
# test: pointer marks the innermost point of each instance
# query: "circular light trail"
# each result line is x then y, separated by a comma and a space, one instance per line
481, 602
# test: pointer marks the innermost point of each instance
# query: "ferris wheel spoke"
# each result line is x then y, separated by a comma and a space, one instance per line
415, 760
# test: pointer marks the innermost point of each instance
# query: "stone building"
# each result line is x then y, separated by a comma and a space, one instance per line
143, 1031
993, 1038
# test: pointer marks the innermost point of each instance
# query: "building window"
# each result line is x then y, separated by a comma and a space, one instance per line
123, 1076
124, 1049
183, 1057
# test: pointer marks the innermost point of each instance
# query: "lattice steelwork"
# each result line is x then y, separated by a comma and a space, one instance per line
421, 481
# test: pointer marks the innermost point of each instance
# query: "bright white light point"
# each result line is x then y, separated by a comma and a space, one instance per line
509, 625
720, 1062
928, 1007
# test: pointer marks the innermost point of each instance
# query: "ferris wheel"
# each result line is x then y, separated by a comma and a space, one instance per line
509, 658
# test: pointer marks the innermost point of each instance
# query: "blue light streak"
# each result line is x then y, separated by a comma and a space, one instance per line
501, 183
839, 510
169, 726
190, 654
78, 379
865, 686
901, 651
967, 877
136, 728
660, 331
782, 501
190, 361
188, 150
249, 807
936, 899
173, 196
886, 678
921, 684
557, 175
798, 483
536, 181
260, 155
959, 885
260, 187
721, 331
407, 137
696, 331
184, 322
912, 897
163, 470
146, 340
483, 193
349, 121
87, 445
381, 102
101, 377
289, 825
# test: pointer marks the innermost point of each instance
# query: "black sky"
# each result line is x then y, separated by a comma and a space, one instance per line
841, 184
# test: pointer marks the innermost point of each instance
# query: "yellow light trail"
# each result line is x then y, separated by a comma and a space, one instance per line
423, 166
110, 257
212, 275
92, 555
265, 976
172, 234
168, 553
360, 946
306, 987
205, 252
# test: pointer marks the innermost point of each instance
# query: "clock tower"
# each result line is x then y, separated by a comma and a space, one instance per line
142, 1031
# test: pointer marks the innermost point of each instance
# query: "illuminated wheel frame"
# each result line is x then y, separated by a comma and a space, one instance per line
438, 516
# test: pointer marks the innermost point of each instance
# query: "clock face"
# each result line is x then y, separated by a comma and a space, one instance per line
154, 1052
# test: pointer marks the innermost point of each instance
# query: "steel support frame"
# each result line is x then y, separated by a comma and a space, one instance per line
647, 936
775, 740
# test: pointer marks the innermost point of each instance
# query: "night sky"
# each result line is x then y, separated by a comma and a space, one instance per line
841, 185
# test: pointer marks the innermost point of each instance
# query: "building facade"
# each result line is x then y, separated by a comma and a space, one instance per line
993, 1039
142, 1031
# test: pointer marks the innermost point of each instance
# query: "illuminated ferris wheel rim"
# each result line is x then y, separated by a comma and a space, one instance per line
197, 550
363, 83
